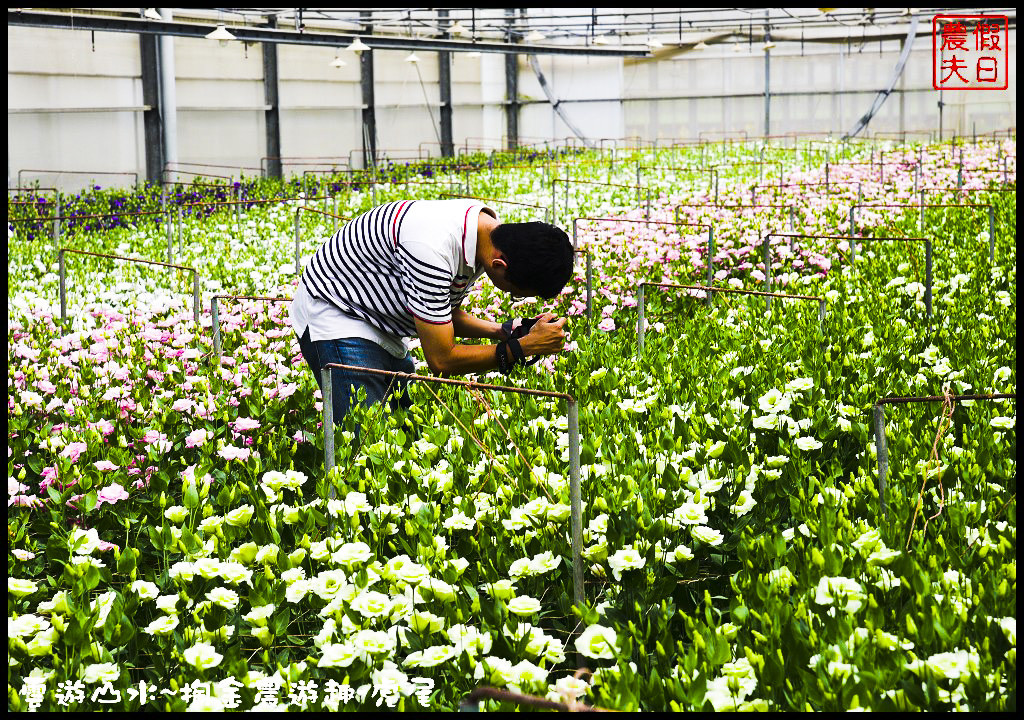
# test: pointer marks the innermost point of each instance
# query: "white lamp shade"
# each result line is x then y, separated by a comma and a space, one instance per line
338, 63
534, 36
221, 33
358, 46
769, 45
458, 28
151, 14
655, 44
701, 46
412, 58
602, 40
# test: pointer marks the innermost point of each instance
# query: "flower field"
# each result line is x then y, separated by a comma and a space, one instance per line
173, 542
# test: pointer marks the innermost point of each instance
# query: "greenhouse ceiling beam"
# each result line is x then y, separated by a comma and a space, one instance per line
66, 21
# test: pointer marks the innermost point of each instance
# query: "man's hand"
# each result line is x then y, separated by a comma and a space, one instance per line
547, 337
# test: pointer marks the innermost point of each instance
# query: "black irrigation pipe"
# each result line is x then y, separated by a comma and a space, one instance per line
881, 444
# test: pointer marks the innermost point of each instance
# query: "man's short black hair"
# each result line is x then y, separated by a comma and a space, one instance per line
540, 256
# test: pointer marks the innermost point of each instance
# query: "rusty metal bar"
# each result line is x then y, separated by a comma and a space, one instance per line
572, 411
63, 289
942, 398
490, 693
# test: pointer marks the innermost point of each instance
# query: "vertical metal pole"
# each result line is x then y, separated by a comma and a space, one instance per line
575, 242
576, 503
56, 220
920, 222
334, 219
928, 276
882, 452
852, 219
716, 187
991, 234
711, 261
566, 190
590, 290
63, 287
238, 210
328, 399
298, 269
648, 204
215, 325
170, 239
640, 319
768, 269
792, 219
195, 298
821, 311
553, 196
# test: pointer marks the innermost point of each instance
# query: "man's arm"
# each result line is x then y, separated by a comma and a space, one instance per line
467, 326
445, 357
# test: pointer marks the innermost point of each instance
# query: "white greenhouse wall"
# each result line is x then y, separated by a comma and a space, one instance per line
75, 108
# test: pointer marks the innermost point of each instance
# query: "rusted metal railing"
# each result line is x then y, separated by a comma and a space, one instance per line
63, 291
881, 444
215, 315
922, 205
641, 324
572, 411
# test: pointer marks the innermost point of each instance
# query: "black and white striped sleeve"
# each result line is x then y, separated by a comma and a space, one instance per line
427, 279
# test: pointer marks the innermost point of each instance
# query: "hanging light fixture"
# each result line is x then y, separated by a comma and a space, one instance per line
151, 14
412, 58
221, 34
602, 40
458, 29
701, 46
534, 36
358, 46
768, 45
337, 62
654, 43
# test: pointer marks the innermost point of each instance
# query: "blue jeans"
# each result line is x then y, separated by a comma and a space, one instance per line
359, 352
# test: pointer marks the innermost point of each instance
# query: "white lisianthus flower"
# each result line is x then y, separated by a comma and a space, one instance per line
145, 589
167, 603
836, 590
352, 553
774, 402
799, 384
371, 604
500, 589
689, 513
706, 535
954, 665
598, 642
203, 656
1003, 423
259, 615
459, 521
176, 514
373, 642
227, 599
100, 673
163, 625
240, 516
776, 461
682, 553
431, 656
767, 422
337, 655
524, 605
625, 559
439, 589
807, 443
744, 503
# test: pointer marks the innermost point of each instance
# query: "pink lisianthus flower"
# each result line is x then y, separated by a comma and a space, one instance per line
232, 453
74, 450
111, 494
152, 436
606, 325
182, 405
105, 466
297, 437
197, 437
104, 426
287, 390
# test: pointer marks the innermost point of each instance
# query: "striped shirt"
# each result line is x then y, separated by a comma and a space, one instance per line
398, 262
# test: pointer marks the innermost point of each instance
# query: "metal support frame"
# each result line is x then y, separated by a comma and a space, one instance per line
369, 112
881, 444
572, 412
152, 128
272, 98
641, 324
61, 265
215, 316
444, 60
